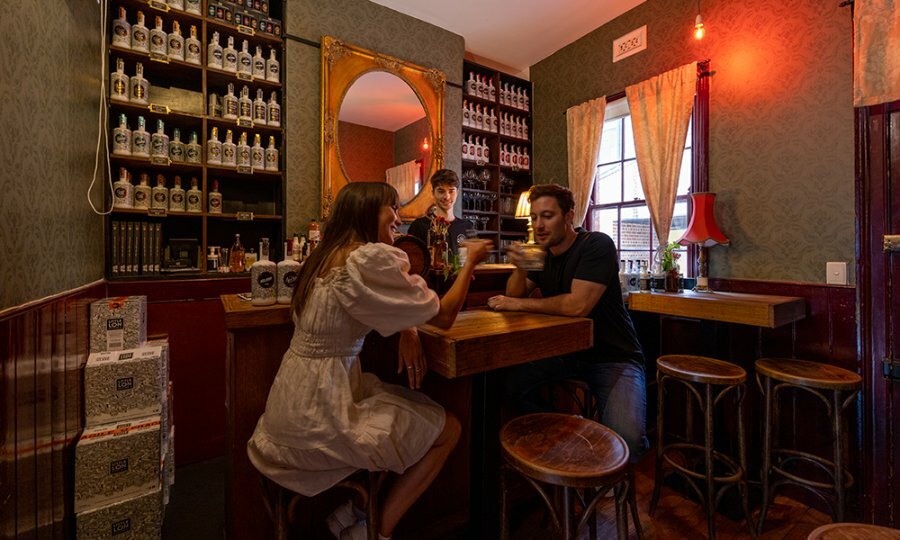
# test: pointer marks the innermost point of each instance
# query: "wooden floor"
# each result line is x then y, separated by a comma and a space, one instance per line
677, 517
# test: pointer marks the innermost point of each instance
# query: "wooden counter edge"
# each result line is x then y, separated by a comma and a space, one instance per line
240, 314
779, 310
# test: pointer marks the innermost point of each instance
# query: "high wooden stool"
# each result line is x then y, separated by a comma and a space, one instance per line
836, 388
281, 503
853, 531
708, 381
570, 453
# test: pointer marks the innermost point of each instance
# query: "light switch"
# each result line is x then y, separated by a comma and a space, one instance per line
836, 273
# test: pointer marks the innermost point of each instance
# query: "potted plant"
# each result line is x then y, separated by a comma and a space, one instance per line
669, 265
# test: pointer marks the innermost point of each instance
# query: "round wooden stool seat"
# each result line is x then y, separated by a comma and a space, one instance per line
853, 531
808, 374
563, 450
701, 369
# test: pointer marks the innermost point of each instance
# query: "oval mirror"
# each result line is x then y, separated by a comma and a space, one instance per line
383, 133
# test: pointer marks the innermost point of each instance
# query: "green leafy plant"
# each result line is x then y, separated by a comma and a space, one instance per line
670, 257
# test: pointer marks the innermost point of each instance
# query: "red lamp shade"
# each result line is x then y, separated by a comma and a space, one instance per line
702, 229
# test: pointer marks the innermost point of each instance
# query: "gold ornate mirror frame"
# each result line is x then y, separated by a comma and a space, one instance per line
342, 64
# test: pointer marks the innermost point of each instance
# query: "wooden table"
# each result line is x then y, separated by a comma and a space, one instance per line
752, 309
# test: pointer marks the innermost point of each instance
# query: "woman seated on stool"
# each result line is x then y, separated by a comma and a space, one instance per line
325, 418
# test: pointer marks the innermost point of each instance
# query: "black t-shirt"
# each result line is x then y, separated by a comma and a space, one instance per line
456, 233
592, 257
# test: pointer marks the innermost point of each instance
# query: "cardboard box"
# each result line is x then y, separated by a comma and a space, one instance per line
124, 385
118, 323
140, 517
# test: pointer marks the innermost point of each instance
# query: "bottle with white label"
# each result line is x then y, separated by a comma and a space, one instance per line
139, 87
140, 140
121, 31
271, 155
176, 147
259, 64
229, 57
263, 277
158, 38
123, 191
526, 160
176, 42
245, 61
288, 270
176, 197
142, 193
245, 106
257, 154
260, 110
214, 148
274, 111
160, 194
243, 151
193, 150
192, 6
159, 142
140, 36
273, 68
465, 147
471, 84
122, 138
194, 198
192, 48
486, 151
214, 52
118, 82
230, 104
229, 150
215, 199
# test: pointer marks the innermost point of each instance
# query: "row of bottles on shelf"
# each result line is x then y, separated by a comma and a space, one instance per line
229, 154
515, 97
240, 62
140, 143
243, 109
634, 275
511, 95
513, 126
134, 89
481, 86
251, 13
475, 117
156, 42
476, 149
514, 156
142, 197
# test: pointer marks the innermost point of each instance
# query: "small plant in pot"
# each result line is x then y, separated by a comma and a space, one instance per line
669, 264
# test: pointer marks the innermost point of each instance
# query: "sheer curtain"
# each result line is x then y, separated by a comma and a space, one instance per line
660, 115
405, 178
584, 125
876, 52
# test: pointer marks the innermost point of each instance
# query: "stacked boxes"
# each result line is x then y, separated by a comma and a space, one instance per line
122, 385
140, 517
118, 323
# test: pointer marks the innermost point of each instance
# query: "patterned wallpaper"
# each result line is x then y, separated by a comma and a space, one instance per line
781, 121
50, 239
372, 151
371, 26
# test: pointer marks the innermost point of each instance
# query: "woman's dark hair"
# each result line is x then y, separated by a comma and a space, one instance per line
563, 196
444, 177
354, 218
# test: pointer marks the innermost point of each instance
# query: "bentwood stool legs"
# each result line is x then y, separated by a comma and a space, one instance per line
836, 388
707, 381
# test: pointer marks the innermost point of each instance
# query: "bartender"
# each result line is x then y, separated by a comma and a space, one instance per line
445, 188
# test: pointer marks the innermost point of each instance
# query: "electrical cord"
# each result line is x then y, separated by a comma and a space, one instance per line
102, 115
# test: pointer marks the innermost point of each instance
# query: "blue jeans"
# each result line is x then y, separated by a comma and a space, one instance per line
620, 389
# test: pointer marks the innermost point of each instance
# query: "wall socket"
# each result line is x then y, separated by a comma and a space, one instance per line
836, 273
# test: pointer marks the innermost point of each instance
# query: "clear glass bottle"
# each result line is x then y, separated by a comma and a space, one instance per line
214, 52
260, 111
176, 147
236, 255
176, 42
158, 38
274, 110
230, 104
122, 138
273, 68
142, 193
263, 277
139, 87
314, 235
176, 197
159, 142
140, 36
259, 64
244, 60
287, 271
271, 155
245, 106
229, 150
214, 206
193, 150
229, 57
160, 194
214, 148
123, 191
194, 198
257, 154
192, 49
121, 31
243, 151
140, 140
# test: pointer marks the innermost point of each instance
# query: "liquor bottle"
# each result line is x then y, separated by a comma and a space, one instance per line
263, 277
176, 197
257, 154
214, 206
465, 148
623, 281
296, 249
274, 111
524, 129
140, 140
644, 278
176, 42
214, 53
230, 104
479, 117
123, 191
193, 150
194, 198
514, 95
192, 47
492, 91
158, 38
192, 6
139, 87
243, 151
121, 31
479, 149
504, 155
160, 194
245, 106
176, 147
140, 36
271, 155
159, 142
213, 106
122, 138
287, 271
492, 122
229, 150
118, 82
142, 193
313, 233
465, 110
526, 160
527, 102
260, 110
486, 151
259, 64
471, 84
273, 68
236, 255
176, 4
514, 157
244, 60
214, 148
229, 57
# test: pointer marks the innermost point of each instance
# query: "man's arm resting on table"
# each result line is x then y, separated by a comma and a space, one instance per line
518, 285
578, 303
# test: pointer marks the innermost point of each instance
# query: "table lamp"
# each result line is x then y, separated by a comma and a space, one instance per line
533, 252
703, 232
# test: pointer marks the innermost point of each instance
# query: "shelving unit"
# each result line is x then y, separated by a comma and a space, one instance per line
253, 203
490, 201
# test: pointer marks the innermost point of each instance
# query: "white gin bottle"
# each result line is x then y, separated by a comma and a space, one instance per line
160, 194
229, 150
176, 42
194, 198
215, 199
193, 150
214, 53
121, 31
257, 154
271, 155
140, 140
139, 87
245, 106
118, 82
176, 197
274, 111
259, 64
158, 38
176, 147
273, 68
288, 269
214, 148
243, 151
230, 104
244, 60
229, 58
122, 138
262, 277
140, 36
259, 109
192, 48
159, 142
123, 191
142, 193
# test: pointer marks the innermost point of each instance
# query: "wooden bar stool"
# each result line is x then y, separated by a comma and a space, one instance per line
281, 503
570, 453
853, 531
837, 388
708, 381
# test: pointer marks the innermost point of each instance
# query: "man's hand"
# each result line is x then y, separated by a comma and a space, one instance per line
412, 357
515, 255
504, 303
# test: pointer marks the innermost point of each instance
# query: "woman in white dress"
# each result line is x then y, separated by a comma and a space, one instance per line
325, 418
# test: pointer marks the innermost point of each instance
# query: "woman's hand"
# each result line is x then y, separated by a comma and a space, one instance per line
477, 250
412, 357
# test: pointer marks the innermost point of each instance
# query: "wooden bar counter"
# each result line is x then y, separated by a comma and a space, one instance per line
751, 309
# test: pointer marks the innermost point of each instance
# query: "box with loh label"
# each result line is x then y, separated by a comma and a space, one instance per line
118, 323
123, 385
137, 517
114, 462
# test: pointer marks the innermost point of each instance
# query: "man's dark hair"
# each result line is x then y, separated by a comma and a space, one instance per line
563, 196
444, 177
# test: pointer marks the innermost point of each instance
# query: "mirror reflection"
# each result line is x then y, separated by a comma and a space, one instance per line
383, 134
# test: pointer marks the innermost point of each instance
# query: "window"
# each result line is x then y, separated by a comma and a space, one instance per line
617, 204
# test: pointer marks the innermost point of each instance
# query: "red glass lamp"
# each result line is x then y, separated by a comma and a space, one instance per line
703, 232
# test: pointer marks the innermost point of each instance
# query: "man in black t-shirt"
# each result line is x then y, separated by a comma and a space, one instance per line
579, 279
445, 188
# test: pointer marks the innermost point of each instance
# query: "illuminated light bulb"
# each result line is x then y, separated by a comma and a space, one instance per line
699, 31
425, 144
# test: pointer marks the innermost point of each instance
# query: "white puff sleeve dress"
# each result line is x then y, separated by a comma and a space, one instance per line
324, 417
